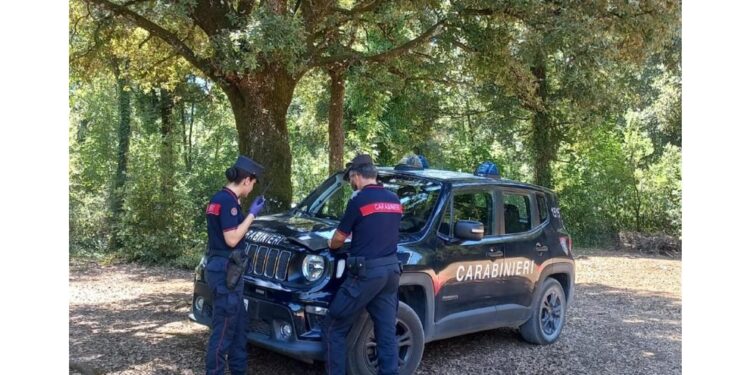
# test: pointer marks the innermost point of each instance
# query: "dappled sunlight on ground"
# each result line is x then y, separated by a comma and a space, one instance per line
625, 319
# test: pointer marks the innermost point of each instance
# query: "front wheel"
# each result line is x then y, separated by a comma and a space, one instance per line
363, 356
548, 315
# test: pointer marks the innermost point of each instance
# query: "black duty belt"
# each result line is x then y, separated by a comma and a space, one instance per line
384, 261
358, 266
224, 253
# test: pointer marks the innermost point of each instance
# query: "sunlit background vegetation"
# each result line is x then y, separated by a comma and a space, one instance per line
589, 92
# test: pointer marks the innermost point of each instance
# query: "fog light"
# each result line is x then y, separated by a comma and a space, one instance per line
199, 304
285, 331
317, 310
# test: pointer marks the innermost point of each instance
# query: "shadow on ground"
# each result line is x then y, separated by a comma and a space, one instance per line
609, 331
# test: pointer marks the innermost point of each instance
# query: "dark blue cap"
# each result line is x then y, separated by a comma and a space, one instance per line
487, 169
249, 165
361, 160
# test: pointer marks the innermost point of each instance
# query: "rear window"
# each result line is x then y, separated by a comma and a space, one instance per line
517, 212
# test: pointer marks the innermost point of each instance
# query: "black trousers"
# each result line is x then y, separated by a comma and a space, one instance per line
377, 292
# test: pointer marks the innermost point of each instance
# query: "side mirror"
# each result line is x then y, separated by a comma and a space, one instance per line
469, 230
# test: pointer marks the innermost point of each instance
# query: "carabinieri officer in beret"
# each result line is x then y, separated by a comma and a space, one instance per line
372, 218
227, 226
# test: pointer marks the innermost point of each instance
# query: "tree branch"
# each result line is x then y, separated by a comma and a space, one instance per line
386, 55
360, 8
463, 46
162, 61
214, 16
400, 50
140, 45
167, 36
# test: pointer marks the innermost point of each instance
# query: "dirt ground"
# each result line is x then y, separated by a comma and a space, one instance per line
626, 319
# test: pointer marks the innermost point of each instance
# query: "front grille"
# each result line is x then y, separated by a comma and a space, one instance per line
260, 326
268, 263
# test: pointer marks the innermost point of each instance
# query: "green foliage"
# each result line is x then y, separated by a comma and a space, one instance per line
93, 124
157, 223
308, 135
161, 222
605, 77
609, 185
594, 187
662, 192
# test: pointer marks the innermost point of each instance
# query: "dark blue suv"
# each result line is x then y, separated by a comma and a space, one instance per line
478, 253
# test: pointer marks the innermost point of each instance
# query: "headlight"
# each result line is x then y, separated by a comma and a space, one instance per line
313, 267
199, 269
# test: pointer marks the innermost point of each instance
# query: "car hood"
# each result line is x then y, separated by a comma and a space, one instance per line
300, 233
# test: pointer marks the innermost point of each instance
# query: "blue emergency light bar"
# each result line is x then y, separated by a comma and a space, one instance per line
487, 169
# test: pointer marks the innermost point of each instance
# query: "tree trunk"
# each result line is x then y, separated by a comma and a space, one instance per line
190, 137
187, 134
123, 145
336, 120
189, 153
544, 149
166, 151
543, 141
259, 103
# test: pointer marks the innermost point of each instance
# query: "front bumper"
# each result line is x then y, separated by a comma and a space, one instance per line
265, 321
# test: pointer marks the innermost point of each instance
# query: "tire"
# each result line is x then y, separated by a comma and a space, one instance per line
362, 358
548, 315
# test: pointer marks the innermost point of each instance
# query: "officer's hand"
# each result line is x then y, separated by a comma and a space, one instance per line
257, 206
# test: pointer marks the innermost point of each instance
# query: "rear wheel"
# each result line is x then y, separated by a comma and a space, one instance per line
548, 315
363, 356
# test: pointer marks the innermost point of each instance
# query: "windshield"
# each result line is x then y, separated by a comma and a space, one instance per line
417, 196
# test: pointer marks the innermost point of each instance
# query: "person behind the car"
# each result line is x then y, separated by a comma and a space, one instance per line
372, 218
227, 226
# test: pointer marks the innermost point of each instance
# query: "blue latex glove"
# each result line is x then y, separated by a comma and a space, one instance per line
257, 206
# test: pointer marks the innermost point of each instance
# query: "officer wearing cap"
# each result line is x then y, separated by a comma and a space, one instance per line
227, 226
372, 219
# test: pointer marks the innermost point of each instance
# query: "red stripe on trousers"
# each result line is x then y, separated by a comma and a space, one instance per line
221, 340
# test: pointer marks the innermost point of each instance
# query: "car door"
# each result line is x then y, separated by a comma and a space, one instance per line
525, 244
467, 291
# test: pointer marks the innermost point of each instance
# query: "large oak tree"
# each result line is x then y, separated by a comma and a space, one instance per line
258, 51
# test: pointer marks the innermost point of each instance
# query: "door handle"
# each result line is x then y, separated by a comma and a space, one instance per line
539, 247
494, 253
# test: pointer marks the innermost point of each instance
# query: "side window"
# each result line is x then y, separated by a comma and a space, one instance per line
474, 206
541, 201
517, 212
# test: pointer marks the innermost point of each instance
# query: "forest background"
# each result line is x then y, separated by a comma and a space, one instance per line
583, 97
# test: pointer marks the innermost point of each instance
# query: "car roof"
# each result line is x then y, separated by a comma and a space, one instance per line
461, 178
